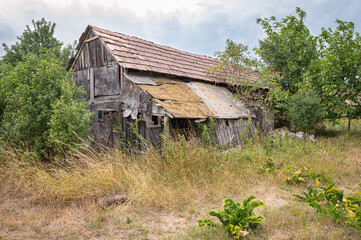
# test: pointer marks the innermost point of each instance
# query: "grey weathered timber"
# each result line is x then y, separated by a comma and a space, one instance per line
118, 96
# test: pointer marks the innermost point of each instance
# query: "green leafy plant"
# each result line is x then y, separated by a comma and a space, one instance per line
270, 167
326, 200
236, 217
303, 110
353, 207
293, 176
206, 132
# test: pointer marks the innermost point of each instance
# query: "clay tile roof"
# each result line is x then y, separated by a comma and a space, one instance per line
135, 53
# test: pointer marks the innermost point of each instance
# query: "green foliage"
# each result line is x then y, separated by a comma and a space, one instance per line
303, 110
335, 73
353, 207
270, 167
329, 64
207, 132
326, 200
301, 175
236, 217
32, 41
4, 70
287, 49
42, 104
70, 118
241, 70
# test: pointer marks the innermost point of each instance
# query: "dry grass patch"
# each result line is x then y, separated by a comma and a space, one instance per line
168, 190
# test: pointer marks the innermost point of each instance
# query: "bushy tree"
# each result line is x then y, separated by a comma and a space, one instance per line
304, 110
330, 64
69, 121
287, 49
33, 40
335, 74
38, 91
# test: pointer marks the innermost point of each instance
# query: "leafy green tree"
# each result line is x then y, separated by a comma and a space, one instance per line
4, 69
335, 74
304, 110
241, 70
287, 49
39, 91
70, 119
33, 40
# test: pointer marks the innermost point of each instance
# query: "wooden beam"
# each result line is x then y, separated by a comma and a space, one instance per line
91, 39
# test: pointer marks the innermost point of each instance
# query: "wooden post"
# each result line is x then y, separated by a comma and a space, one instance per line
349, 124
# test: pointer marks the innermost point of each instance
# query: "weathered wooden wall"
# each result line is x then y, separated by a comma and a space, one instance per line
97, 71
107, 89
233, 131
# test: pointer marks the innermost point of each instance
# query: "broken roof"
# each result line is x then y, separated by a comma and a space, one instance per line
191, 100
135, 53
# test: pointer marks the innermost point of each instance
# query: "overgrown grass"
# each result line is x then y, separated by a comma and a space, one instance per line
189, 179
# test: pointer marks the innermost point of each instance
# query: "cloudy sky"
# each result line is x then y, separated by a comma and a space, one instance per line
198, 26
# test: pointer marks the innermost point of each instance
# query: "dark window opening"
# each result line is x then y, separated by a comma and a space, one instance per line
181, 127
155, 120
179, 123
227, 124
100, 116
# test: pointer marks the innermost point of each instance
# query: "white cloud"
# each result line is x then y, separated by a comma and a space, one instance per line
200, 26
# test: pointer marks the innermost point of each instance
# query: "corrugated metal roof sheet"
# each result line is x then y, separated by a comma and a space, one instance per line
220, 101
177, 99
135, 53
175, 92
186, 109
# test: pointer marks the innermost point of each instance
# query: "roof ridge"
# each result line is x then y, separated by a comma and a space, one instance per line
153, 43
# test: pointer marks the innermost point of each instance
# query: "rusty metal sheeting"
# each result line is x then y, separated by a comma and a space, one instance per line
220, 101
160, 81
177, 99
176, 92
186, 109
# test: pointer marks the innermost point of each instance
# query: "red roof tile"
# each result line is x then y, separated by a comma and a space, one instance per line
135, 53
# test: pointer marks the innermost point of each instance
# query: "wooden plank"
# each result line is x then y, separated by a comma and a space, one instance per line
86, 56
99, 53
110, 59
91, 39
92, 54
91, 87
104, 52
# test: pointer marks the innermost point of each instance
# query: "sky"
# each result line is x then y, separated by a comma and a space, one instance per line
197, 26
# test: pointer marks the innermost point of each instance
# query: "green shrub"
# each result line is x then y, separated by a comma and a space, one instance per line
237, 218
304, 110
293, 176
43, 105
206, 132
326, 200
70, 118
353, 207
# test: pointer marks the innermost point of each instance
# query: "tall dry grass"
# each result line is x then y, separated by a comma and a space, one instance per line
180, 174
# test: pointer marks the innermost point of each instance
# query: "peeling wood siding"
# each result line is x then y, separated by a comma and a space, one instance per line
97, 71
233, 131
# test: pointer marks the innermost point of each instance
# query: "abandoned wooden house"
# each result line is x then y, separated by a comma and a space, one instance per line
128, 79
